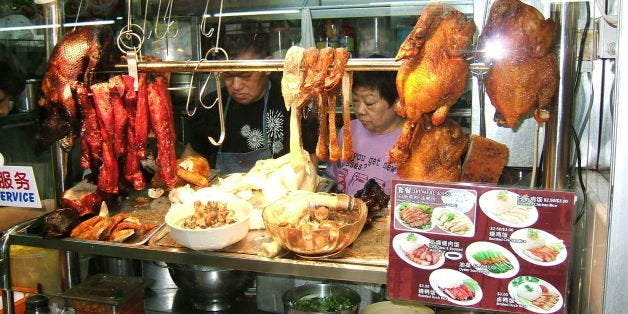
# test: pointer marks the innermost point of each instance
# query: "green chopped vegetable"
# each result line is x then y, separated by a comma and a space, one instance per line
471, 284
411, 237
502, 195
323, 304
533, 233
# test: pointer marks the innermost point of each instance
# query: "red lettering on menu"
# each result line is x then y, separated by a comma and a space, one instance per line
5, 180
21, 181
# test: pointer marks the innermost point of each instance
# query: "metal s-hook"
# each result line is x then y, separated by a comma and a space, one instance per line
187, 102
221, 115
203, 26
202, 92
167, 21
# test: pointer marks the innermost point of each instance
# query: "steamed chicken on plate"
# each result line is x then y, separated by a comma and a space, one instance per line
526, 76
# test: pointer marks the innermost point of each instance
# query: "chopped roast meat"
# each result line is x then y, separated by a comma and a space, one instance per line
83, 198
374, 197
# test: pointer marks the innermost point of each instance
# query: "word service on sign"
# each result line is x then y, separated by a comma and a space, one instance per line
18, 187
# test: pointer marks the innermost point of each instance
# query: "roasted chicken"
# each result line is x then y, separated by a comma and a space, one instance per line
526, 76
433, 74
437, 152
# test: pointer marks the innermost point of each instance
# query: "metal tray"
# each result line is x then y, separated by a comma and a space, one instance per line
370, 248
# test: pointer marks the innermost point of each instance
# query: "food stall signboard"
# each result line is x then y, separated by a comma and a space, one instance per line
18, 187
481, 247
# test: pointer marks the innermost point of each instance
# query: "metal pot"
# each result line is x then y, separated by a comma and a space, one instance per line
30, 96
210, 288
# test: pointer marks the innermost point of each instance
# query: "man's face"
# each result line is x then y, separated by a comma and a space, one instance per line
245, 87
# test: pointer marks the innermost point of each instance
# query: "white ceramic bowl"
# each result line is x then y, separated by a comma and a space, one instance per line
210, 238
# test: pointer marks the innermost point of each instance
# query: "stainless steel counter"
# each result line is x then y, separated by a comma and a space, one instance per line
347, 268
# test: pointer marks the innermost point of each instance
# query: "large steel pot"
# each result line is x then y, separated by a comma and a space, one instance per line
210, 288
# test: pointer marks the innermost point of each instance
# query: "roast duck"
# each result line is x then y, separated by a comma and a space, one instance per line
525, 78
74, 59
433, 75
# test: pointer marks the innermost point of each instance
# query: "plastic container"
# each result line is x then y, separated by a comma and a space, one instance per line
105, 293
35, 269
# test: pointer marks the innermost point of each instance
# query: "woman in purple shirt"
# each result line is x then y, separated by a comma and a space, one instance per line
374, 132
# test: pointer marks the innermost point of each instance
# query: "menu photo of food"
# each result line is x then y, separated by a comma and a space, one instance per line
459, 200
505, 207
538, 247
492, 259
453, 222
417, 217
418, 250
535, 294
455, 287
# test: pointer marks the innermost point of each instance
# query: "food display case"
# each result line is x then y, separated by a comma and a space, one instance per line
581, 148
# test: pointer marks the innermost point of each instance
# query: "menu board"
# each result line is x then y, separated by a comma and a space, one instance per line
480, 247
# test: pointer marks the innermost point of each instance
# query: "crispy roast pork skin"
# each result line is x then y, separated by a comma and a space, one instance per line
73, 59
526, 77
433, 74
162, 122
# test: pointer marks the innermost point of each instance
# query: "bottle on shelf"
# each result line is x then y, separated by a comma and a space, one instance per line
347, 38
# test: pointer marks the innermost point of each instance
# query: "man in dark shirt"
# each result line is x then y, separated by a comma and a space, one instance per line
257, 124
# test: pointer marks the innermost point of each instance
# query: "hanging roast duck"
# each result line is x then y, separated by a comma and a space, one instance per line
74, 59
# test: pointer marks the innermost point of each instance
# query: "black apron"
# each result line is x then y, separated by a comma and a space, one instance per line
243, 162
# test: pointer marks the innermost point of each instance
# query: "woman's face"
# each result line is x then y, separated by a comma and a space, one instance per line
245, 87
375, 113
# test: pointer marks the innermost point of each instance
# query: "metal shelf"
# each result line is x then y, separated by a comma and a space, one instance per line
277, 266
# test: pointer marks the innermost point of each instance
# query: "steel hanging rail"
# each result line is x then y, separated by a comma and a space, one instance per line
371, 64
383, 64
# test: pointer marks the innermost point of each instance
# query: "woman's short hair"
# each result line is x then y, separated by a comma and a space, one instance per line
382, 81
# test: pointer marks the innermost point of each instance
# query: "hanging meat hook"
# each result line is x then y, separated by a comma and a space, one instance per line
203, 26
167, 20
187, 102
218, 100
221, 114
